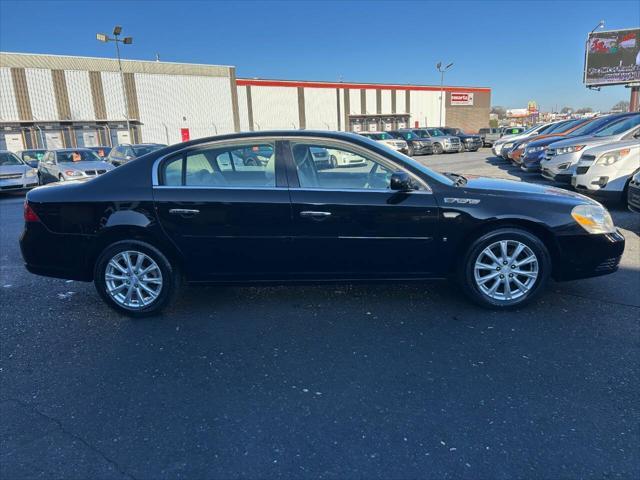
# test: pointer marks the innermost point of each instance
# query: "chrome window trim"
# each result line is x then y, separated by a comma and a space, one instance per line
155, 183
215, 187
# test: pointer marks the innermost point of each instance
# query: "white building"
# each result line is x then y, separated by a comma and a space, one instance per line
66, 101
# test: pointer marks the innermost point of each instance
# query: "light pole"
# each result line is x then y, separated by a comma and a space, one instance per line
442, 72
586, 48
103, 37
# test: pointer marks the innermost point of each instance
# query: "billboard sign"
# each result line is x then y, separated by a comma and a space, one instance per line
461, 98
612, 57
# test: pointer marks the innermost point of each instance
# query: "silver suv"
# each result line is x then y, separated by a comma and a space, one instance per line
440, 141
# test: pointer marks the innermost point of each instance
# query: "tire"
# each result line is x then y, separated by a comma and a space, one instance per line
470, 277
437, 149
410, 151
163, 279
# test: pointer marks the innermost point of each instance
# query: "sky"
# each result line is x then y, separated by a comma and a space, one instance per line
523, 50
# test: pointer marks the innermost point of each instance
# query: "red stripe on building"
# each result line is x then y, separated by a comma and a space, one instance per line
366, 86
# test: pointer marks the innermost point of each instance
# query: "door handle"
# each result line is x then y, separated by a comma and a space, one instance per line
315, 215
184, 211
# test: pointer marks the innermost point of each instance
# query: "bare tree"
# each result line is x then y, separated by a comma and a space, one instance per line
621, 106
566, 110
501, 112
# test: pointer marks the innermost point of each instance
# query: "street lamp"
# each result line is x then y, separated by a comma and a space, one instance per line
442, 72
103, 37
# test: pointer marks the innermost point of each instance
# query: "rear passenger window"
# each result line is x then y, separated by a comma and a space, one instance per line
251, 165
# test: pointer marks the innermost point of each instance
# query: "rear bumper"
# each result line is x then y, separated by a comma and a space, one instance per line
55, 255
583, 256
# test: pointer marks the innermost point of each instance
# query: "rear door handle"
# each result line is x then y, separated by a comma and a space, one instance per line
315, 215
184, 211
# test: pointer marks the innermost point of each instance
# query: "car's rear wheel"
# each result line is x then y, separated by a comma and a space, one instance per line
135, 278
437, 148
505, 268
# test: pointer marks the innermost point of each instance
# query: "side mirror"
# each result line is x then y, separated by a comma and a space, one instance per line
33, 163
637, 134
401, 182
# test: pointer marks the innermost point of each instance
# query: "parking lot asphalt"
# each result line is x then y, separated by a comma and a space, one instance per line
383, 381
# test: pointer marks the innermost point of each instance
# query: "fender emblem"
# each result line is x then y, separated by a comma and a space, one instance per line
464, 201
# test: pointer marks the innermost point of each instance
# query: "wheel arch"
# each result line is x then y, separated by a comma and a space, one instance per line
540, 231
119, 233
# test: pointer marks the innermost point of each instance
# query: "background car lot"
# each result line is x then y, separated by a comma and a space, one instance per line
336, 381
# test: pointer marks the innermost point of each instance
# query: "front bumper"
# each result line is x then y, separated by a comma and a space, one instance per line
583, 256
450, 147
425, 149
19, 183
531, 163
556, 177
473, 145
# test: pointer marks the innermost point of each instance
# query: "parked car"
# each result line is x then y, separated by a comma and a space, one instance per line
440, 141
415, 145
470, 143
562, 157
344, 158
604, 172
125, 153
508, 141
150, 223
321, 157
489, 135
102, 150
531, 147
537, 152
387, 139
32, 156
15, 174
71, 164
633, 195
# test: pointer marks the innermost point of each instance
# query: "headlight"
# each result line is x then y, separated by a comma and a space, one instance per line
610, 158
31, 173
508, 145
593, 218
571, 149
73, 173
564, 166
535, 149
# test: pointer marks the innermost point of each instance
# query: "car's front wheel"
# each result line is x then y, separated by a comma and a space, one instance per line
135, 278
505, 268
437, 148
410, 151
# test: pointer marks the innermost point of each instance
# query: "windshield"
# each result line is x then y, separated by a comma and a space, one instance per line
569, 125
101, 151
33, 155
435, 132
620, 126
144, 149
74, 156
9, 159
380, 136
408, 135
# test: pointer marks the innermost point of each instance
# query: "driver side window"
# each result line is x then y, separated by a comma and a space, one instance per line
335, 168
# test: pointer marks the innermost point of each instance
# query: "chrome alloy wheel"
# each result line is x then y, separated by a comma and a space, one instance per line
133, 279
506, 270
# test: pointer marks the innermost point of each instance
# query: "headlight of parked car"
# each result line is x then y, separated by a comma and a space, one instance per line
571, 149
73, 173
535, 149
593, 218
508, 145
31, 172
610, 158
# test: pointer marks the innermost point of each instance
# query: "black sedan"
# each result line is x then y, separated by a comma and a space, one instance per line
196, 212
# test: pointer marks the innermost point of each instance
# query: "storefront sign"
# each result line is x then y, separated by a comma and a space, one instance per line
184, 133
461, 98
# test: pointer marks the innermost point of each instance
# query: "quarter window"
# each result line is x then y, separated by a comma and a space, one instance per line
343, 169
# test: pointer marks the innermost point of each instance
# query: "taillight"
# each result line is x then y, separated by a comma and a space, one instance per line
29, 214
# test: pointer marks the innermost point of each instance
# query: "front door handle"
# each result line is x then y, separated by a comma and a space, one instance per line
184, 211
315, 215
